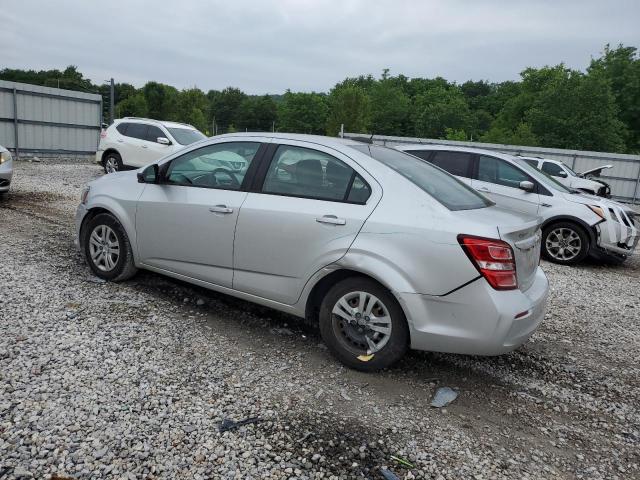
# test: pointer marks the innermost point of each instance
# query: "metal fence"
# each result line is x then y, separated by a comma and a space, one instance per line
624, 177
35, 119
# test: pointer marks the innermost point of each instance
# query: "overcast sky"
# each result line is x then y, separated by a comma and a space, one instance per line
269, 46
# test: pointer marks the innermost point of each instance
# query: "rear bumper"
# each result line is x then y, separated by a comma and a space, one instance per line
99, 154
476, 320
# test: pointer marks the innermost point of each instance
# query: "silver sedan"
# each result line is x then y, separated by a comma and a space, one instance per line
384, 251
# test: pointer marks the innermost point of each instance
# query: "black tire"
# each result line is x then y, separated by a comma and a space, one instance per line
123, 268
112, 162
332, 327
578, 240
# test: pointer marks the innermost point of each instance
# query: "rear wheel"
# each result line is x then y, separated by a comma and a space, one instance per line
565, 243
107, 249
363, 324
112, 163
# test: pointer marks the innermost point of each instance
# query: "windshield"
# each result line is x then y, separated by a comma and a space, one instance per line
546, 180
569, 169
442, 186
186, 136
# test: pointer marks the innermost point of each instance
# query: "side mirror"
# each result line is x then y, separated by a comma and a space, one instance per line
149, 174
163, 141
527, 186
563, 174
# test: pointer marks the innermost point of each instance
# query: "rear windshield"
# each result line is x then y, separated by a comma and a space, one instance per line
186, 136
442, 186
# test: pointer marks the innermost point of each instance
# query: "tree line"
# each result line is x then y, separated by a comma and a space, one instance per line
554, 106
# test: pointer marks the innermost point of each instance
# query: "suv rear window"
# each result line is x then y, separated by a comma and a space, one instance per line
442, 186
122, 128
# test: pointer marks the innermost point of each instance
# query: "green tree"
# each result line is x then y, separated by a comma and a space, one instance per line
348, 105
256, 114
389, 109
302, 113
438, 109
192, 106
162, 101
621, 67
521, 135
223, 107
133, 106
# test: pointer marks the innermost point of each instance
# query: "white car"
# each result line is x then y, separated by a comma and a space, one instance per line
574, 224
6, 169
384, 251
566, 176
136, 142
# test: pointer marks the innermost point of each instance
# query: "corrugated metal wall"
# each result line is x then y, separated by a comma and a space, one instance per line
48, 120
624, 177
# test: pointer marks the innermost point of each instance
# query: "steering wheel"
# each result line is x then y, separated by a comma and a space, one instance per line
234, 180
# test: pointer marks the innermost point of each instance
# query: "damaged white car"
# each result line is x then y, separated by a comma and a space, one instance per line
575, 225
585, 181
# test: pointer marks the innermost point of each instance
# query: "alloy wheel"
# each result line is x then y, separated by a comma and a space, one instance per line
104, 248
563, 244
111, 165
362, 323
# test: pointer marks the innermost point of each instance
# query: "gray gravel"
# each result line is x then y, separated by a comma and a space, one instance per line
132, 380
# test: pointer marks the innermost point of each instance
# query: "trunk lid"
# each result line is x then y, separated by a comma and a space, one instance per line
519, 230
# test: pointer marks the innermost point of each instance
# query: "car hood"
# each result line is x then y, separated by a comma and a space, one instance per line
595, 171
114, 176
586, 199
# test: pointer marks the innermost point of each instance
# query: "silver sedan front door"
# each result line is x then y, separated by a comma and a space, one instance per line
186, 224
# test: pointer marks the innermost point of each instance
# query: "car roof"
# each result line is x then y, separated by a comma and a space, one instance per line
317, 139
151, 120
454, 148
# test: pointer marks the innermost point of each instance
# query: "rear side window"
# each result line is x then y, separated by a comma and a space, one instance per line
304, 172
494, 170
442, 186
153, 133
137, 130
122, 128
456, 163
552, 169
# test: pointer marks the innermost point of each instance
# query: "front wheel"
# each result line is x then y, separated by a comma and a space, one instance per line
107, 248
565, 243
363, 324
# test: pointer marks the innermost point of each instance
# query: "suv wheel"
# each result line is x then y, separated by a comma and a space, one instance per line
565, 243
112, 163
107, 249
363, 324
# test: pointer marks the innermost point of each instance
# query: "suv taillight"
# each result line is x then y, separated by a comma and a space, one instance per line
493, 259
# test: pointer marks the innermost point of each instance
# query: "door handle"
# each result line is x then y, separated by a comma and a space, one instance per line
331, 219
144, 146
120, 141
221, 209
483, 189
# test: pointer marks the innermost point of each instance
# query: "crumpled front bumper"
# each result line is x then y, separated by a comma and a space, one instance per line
618, 232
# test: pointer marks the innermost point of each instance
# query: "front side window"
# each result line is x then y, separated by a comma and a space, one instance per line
153, 133
553, 169
222, 165
186, 136
456, 163
304, 172
443, 187
137, 130
494, 170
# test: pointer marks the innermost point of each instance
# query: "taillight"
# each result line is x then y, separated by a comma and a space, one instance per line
493, 259
103, 133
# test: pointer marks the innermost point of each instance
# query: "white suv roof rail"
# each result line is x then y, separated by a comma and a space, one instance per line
156, 121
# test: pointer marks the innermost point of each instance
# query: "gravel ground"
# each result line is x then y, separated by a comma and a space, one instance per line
133, 380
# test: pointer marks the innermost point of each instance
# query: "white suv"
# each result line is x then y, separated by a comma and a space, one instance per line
136, 142
574, 224
566, 176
